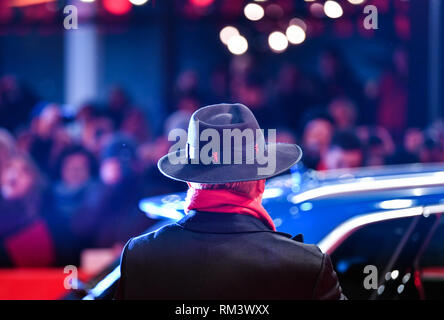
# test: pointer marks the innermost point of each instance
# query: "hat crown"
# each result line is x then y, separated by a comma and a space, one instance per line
223, 120
219, 117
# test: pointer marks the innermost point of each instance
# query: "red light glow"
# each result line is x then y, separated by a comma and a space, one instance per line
117, 7
201, 3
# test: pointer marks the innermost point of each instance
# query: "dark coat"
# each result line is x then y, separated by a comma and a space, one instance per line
224, 256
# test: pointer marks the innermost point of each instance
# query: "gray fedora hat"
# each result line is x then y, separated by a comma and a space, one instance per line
225, 144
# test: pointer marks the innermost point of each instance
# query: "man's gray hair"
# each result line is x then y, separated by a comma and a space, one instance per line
250, 188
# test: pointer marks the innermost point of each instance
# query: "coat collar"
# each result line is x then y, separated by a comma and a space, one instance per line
216, 222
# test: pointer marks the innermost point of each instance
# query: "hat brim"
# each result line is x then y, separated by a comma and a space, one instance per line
287, 155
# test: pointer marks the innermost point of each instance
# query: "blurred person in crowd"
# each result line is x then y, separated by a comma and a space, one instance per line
431, 150
413, 140
336, 78
344, 152
250, 90
150, 153
22, 184
377, 143
187, 83
7, 147
375, 152
188, 103
74, 176
47, 136
293, 93
248, 85
126, 118
85, 113
343, 112
136, 126
316, 137
436, 129
118, 105
284, 135
114, 215
392, 108
16, 102
25, 239
97, 132
73, 188
409, 150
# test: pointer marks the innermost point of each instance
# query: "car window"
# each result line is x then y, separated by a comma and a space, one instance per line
376, 244
373, 244
433, 256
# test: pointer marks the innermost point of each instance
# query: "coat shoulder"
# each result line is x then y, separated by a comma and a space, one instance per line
292, 245
143, 240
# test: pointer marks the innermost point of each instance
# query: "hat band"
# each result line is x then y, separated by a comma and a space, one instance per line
236, 155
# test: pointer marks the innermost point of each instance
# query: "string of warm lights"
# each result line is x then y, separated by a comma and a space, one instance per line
279, 41
268, 17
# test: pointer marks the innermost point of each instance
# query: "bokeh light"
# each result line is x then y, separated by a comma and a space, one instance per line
237, 44
253, 11
295, 34
298, 22
332, 9
278, 41
226, 33
138, 2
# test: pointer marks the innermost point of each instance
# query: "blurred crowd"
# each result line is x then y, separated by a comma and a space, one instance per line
72, 178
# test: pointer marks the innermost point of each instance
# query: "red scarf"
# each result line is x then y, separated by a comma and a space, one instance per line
220, 200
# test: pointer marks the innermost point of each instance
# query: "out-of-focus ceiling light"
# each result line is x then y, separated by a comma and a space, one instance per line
332, 9
317, 10
138, 2
356, 1
253, 11
277, 41
201, 3
295, 34
226, 33
299, 22
237, 44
